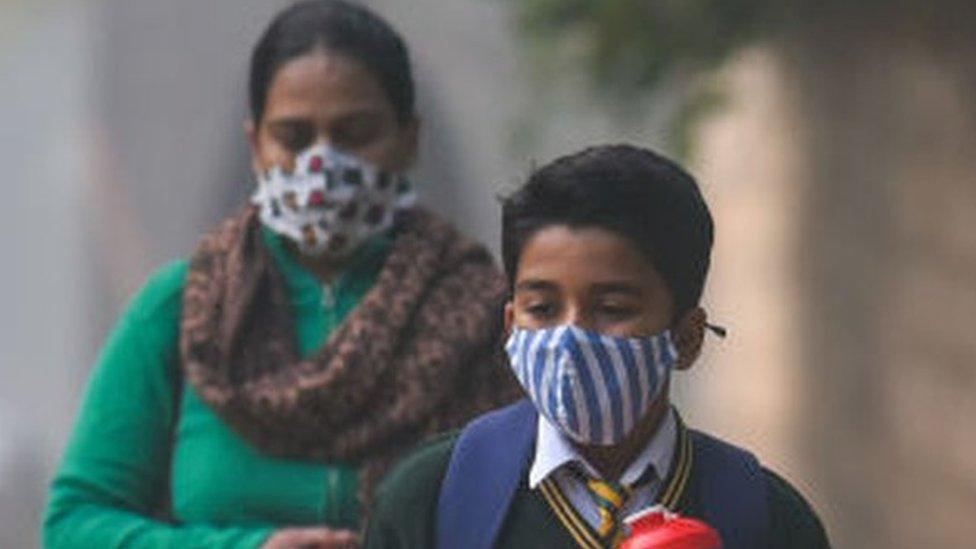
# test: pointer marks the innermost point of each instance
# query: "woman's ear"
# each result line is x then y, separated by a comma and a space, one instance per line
688, 335
409, 143
251, 133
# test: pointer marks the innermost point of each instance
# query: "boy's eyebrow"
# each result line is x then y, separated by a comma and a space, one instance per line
535, 284
617, 288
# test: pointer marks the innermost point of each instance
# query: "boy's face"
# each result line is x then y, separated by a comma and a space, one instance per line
597, 280
591, 278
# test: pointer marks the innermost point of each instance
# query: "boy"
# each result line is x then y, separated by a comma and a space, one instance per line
607, 252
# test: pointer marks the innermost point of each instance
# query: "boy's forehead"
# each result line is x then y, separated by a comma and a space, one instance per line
561, 255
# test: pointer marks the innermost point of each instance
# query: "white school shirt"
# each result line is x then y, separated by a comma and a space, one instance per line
555, 455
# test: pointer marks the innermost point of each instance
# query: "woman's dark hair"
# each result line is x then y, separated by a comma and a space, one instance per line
633, 192
339, 27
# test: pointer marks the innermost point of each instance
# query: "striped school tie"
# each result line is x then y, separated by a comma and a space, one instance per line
610, 498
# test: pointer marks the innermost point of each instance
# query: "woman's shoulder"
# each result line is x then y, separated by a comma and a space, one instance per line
161, 295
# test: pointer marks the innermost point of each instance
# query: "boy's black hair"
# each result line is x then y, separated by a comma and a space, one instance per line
633, 192
340, 27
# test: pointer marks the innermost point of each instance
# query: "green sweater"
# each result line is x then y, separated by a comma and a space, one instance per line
406, 508
225, 492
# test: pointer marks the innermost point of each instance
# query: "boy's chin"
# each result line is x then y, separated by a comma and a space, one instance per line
641, 434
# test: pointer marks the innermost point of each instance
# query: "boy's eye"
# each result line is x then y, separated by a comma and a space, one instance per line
541, 311
617, 311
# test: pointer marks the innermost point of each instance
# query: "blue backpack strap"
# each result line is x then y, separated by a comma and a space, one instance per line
732, 491
488, 462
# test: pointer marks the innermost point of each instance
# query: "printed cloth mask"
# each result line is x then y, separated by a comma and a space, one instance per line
329, 201
593, 387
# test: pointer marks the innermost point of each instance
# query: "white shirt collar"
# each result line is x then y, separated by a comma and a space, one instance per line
553, 450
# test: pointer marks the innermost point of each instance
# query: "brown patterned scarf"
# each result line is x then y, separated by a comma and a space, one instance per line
418, 355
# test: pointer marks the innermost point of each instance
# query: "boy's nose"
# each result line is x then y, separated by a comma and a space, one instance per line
576, 316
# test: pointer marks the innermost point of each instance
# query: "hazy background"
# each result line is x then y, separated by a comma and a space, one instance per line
839, 163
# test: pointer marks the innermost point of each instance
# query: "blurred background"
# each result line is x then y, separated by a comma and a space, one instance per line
834, 141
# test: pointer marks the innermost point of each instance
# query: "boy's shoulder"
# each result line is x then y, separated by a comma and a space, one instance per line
406, 500
792, 520
417, 477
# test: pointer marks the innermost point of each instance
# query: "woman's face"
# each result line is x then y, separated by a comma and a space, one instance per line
329, 98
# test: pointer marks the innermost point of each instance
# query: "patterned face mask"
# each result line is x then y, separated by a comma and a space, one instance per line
594, 388
331, 202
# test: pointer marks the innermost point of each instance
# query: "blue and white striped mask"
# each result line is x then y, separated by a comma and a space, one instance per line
594, 388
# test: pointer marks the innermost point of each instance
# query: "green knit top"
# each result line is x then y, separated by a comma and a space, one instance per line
225, 492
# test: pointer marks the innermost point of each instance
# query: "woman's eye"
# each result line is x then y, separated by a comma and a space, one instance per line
353, 136
295, 138
359, 130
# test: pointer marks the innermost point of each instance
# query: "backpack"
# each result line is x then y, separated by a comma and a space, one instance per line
493, 454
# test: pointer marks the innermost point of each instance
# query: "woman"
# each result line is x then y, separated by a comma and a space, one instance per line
253, 394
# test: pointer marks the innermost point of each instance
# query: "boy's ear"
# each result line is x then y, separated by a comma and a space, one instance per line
689, 333
509, 316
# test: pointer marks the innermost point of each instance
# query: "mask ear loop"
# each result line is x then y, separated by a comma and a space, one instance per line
717, 330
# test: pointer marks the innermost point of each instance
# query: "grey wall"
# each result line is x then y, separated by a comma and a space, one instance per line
44, 97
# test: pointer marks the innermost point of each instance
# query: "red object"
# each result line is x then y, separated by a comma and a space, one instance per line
316, 198
315, 164
656, 528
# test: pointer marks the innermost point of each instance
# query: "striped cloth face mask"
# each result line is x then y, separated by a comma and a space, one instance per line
593, 387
